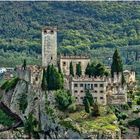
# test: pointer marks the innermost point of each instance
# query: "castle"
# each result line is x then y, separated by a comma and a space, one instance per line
105, 90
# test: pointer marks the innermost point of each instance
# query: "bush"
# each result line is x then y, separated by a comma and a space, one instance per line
23, 103
138, 101
4, 85
72, 108
8, 85
63, 99
5, 119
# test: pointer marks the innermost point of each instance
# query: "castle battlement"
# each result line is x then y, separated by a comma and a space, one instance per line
73, 57
86, 78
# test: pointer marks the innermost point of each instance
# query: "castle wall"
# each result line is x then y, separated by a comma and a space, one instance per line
66, 60
129, 76
32, 74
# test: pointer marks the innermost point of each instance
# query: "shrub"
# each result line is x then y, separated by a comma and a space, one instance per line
63, 99
8, 85
72, 108
23, 102
5, 119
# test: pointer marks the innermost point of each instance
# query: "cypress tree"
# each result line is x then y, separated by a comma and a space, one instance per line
44, 80
99, 70
54, 78
87, 105
89, 97
123, 79
78, 69
88, 71
117, 65
71, 69
95, 110
24, 64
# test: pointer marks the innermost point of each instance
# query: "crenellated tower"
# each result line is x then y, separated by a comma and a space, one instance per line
49, 46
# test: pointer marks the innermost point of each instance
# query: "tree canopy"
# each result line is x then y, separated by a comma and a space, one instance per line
54, 78
117, 65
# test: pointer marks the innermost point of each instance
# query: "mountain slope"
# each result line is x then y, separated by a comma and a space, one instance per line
83, 26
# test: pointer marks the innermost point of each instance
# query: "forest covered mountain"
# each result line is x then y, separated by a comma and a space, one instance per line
82, 27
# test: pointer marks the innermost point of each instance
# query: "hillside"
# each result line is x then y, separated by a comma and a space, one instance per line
82, 26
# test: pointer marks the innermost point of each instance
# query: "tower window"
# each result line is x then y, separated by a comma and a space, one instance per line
51, 57
75, 85
95, 85
45, 31
64, 63
81, 85
36, 78
52, 31
101, 85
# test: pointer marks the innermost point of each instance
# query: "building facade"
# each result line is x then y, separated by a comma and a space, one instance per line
96, 86
49, 46
105, 90
66, 60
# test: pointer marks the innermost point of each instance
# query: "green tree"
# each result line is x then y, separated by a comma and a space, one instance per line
55, 79
135, 122
87, 105
89, 97
138, 101
71, 69
23, 102
95, 109
117, 65
63, 99
44, 80
96, 70
78, 69
88, 70
99, 70
24, 64
88, 101
31, 126
123, 79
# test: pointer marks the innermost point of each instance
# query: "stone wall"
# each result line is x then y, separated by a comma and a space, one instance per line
49, 46
66, 60
32, 75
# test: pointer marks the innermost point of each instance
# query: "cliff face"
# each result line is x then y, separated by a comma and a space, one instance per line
36, 104
23, 100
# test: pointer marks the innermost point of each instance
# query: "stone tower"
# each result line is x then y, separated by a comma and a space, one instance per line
49, 46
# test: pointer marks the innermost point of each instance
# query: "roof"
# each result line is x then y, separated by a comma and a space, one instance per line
74, 57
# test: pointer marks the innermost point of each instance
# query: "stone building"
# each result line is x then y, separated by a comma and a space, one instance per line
49, 46
96, 86
66, 60
129, 76
105, 90
116, 91
32, 75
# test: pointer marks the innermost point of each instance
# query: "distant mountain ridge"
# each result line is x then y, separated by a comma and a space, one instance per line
82, 26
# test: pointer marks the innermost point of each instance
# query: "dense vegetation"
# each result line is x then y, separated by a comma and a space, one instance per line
82, 26
93, 28
5, 120
10, 84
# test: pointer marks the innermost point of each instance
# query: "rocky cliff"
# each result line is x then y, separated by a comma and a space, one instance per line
24, 100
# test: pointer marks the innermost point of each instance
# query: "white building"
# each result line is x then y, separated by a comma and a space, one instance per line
2, 70
105, 90
96, 86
